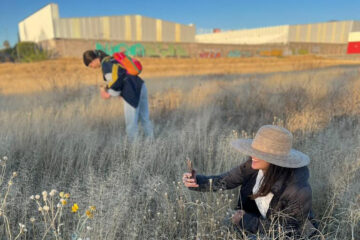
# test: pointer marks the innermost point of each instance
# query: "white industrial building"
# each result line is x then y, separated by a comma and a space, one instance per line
46, 24
336, 32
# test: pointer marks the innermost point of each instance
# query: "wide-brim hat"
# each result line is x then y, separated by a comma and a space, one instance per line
272, 144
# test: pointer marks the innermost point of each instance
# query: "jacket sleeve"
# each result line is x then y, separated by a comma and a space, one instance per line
290, 219
106, 68
113, 74
229, 180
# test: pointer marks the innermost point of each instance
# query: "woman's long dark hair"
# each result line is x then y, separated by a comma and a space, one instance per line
272, 174
90, 55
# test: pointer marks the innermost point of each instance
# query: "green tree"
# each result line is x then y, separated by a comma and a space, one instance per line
6, 44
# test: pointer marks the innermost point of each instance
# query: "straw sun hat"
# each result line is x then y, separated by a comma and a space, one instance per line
272, 144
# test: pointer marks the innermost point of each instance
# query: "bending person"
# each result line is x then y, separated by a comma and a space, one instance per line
131, 88
274, 185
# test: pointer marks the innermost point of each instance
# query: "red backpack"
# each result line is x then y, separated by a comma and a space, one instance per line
131, 65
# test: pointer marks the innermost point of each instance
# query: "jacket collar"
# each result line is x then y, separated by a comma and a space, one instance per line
300, 175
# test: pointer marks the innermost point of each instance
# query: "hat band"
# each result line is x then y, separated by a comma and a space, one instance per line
273, 151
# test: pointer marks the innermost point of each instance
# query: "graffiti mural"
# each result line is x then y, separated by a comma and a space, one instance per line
146, 50
238, 54
271, 53
303, 51
133, 50
165, 50
210, 53
300, 51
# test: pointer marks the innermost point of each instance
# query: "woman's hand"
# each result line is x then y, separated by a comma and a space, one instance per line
189, 181
238, 215
103, 92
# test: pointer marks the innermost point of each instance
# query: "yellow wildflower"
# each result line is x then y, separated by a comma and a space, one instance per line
61, 194
63, 202
89, 214
67, 195
92, 208
74, 208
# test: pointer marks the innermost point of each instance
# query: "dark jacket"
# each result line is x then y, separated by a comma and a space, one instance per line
290, 205
128, 85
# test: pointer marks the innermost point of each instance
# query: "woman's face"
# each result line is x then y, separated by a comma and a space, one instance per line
258, 164
95, 63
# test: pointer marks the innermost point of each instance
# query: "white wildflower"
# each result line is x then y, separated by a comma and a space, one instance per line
32, 197
58, 205
5, 158
10, 183
40, 209
44, 194
32, 219
52, 193
89, 228
37, 197
46, 208
14, 174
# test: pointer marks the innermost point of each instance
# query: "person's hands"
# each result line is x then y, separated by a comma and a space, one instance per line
103, 92
189, 181
238, 215
103, 88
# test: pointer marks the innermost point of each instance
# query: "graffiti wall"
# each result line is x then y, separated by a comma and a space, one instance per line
75, 48
210, 53
145, 50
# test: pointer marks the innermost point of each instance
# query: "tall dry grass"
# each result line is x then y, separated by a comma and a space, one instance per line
70, 140
70, 72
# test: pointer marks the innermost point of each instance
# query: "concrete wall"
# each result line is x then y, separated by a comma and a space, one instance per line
75, 48
39, 26
269, 35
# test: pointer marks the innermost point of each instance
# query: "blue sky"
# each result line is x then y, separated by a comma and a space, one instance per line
205, 14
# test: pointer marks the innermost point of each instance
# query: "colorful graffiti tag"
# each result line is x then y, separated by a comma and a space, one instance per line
133, 50
165, 50
145, 50
239, 54
210, 53
271, 53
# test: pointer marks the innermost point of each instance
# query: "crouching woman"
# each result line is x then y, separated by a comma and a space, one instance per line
275, 192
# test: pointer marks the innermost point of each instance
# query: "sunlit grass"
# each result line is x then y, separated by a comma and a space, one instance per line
73, 141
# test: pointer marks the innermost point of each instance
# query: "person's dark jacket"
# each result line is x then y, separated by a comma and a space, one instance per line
289, 207
129, 86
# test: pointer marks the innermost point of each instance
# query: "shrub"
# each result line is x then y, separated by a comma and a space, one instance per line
29, 52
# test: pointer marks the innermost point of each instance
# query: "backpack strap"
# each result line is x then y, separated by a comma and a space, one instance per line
114, 74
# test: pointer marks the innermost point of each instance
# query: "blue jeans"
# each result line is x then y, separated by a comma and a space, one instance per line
133, 115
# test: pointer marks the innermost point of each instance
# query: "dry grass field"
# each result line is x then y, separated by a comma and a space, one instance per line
59, 134
40, 76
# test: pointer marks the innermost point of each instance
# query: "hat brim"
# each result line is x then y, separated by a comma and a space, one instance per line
295, 159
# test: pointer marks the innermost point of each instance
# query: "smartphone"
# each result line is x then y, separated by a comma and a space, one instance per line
190, 167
